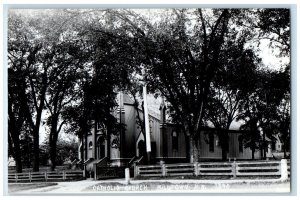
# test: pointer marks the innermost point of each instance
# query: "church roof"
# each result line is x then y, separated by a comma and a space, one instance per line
127, 99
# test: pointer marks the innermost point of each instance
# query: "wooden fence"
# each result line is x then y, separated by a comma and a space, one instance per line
45, 176
233, 169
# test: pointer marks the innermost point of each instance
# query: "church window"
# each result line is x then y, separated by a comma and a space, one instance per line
175, 141
90, 145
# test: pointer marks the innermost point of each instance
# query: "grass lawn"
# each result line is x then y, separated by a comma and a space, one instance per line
15, 187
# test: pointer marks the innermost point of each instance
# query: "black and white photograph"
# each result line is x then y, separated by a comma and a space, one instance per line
148, 100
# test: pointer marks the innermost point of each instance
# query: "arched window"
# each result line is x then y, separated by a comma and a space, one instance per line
175, 141
101, 147
91, 145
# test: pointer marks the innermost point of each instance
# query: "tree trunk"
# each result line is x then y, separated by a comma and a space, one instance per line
224, 144
10, 146
253, 151
85, 146
36, 149
17, 151
196, 150
224, 154
14, 141
36, 138
108, 132
18, 157
264, 145
82, 148
53, 155
53, 142
187, 148
14, 135
261, 152
191, 149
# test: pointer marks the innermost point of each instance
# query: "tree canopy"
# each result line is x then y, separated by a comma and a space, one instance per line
206, 63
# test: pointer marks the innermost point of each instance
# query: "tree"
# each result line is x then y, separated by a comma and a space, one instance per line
68, 64
181, 65
16, 117
226, 91
275, 26
110, 64
275, 106
181, 57
30, 48
67, 148
261, 107
23, 53
222, 110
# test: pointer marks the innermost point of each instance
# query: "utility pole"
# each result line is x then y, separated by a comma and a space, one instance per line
147, 126
121, 105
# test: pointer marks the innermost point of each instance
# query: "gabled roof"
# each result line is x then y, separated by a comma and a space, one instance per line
127, 99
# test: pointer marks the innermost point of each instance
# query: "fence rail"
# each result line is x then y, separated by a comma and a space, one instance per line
234, 169
45, 176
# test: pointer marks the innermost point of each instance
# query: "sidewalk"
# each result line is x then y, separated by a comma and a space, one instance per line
162, 186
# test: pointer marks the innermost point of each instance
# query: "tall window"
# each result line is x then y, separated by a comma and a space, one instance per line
175, 141
241, 147
98, 126
211, 142
90, 145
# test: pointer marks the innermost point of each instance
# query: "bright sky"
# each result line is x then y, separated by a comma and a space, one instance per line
269, 58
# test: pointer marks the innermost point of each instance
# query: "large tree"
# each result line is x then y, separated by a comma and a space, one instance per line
110, 64
233, 81
31, 47
24, 53
68, 65
180, 58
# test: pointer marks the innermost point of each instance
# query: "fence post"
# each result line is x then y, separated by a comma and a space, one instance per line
135, 172
46, 177
16, 177
196, 169
29, 176
163, 167
64, 175
127, 176
234, 169
283, 170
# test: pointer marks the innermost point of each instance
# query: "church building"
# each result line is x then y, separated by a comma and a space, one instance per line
168, 142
